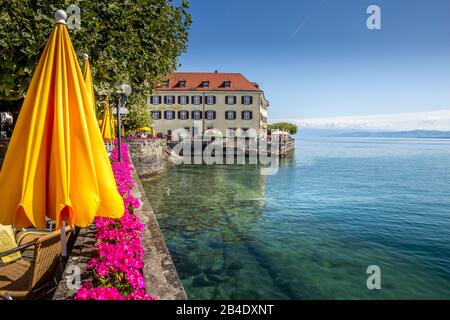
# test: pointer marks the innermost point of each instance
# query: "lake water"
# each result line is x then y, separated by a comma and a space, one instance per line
337, 206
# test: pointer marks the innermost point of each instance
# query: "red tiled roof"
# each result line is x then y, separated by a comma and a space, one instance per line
216, 82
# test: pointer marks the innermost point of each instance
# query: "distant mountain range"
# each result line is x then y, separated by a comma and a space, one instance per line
425, 134
429, 134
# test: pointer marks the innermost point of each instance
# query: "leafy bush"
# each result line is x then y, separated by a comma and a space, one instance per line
284, 126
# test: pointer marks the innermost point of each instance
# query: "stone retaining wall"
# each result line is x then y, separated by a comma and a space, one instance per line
160, 274
147, 156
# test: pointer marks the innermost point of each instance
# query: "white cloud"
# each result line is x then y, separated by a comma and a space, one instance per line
432, 120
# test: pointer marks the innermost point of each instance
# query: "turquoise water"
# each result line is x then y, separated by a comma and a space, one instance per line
335, 207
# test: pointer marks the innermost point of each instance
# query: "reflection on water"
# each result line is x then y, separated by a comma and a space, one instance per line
310, 231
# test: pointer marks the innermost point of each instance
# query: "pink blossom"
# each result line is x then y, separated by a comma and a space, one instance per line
101, 294
119, 248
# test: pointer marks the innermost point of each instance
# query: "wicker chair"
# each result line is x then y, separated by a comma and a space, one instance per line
23, 278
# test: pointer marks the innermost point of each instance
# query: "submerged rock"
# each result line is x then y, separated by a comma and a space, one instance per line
234, 265
217, 278
202, 281
190, 268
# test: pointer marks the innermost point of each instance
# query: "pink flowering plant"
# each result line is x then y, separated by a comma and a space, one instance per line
117, 268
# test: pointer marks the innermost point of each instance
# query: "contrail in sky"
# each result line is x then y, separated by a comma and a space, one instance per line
306, 19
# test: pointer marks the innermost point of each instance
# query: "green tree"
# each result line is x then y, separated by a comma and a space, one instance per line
138, 116
284, 126
134, 41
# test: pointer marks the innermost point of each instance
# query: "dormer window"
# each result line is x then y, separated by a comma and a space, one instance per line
227, 84
165, 84
205, 84
182, 84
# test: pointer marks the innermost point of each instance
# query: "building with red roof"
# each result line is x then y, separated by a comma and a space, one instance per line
195, 102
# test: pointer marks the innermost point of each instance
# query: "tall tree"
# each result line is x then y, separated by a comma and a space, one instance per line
134, 41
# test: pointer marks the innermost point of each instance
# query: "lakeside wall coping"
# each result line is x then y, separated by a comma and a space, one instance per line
160, 274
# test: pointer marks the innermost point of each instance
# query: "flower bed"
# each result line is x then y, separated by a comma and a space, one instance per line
117, 270
138, 139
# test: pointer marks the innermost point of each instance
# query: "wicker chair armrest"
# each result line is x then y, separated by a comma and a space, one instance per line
16, 249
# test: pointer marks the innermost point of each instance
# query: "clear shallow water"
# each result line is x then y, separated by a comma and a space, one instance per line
310, 232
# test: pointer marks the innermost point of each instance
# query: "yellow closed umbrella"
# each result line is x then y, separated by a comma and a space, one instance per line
87, 75
112, 123
107, 130
144, 129
56, 165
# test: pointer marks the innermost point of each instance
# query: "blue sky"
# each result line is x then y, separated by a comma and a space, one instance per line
316, 58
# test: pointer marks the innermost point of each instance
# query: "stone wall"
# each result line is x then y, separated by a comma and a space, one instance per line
160, 274
148, 157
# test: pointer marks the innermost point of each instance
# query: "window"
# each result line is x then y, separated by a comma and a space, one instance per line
210, 99
165, 84
210, 115
196, 99
182, 84
183, 99
247, 115
156, 115
169, 115
169, 99
230, 99
230, 115
205, 84
155, 100
227, 84
247, 100
196, 115
183, 115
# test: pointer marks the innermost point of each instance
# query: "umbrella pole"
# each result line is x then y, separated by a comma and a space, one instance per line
63, 240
